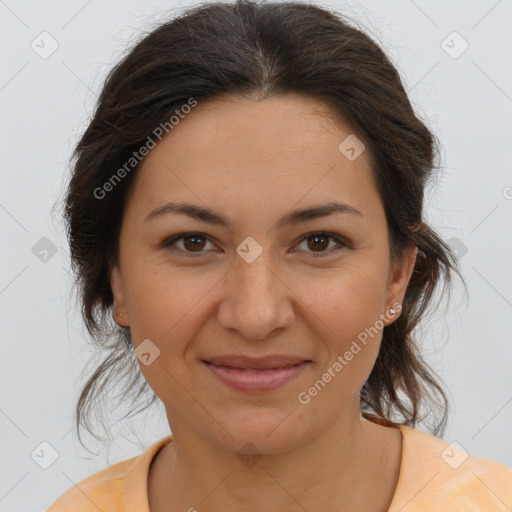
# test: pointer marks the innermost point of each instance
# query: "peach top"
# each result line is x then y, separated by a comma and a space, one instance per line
434, 475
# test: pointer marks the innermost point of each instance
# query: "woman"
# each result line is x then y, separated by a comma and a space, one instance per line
247, 205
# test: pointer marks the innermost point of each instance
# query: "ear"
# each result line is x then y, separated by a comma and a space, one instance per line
399, 276
116, 284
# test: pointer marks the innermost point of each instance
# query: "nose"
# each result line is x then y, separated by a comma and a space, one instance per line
256, 299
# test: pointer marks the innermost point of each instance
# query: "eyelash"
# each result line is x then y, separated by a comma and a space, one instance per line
169, 243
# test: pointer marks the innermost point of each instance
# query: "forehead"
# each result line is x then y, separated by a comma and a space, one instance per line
288, 127
283, 147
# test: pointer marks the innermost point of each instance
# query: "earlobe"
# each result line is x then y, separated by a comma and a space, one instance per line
119, 307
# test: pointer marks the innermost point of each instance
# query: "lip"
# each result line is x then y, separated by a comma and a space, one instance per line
255, 374
270, 362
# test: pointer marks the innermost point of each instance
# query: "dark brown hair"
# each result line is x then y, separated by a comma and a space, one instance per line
259, 50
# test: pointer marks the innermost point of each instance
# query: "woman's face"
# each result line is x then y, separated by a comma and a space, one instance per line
259, 283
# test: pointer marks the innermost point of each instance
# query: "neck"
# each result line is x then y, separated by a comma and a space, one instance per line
340, 469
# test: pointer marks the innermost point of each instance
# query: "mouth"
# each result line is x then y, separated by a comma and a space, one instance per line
256, 375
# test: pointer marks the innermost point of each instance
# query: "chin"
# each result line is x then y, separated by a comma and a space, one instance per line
260, 431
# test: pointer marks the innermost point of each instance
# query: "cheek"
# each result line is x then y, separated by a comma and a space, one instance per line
347, 311
348, 307
165, 302
347, 302
167, 307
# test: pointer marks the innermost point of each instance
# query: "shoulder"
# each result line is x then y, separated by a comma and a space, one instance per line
114, 488
103, 490
442, 475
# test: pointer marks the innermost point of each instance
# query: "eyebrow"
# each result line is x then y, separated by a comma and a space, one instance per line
209, 216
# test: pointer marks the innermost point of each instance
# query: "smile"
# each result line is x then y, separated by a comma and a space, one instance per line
256, 379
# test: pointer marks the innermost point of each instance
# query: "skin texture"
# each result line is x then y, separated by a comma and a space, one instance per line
253, 162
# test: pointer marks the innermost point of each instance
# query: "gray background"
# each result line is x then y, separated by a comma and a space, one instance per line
45, 103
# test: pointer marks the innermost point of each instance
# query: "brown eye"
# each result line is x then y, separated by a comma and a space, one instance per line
189, 244
194, 242
318, 243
